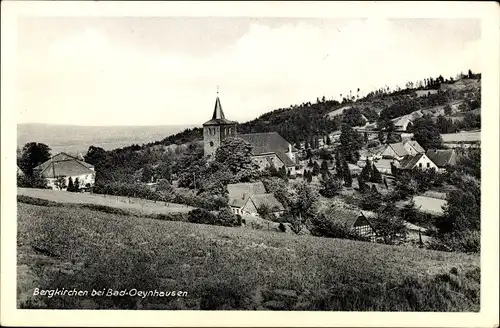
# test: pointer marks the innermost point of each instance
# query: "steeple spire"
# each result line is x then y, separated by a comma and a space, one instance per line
218, 113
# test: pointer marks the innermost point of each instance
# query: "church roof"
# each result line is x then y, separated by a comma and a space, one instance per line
266, 143
218, 117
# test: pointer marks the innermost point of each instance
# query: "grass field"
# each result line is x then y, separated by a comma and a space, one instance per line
137, 205
228, 268
462, 136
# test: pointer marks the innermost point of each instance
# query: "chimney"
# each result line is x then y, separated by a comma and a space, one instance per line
290, 148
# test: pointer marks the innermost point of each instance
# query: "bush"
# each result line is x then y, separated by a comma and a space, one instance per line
225, 217
322, 226
458, 241
36, 201
181, 217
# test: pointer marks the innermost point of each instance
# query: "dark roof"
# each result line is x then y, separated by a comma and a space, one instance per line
218, 117
416, 145
346, 217
63, 164
267, 199
285, 159
266, 143
409, 161
399, 148
442, 157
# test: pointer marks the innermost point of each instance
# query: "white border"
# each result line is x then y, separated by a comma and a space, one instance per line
487, 12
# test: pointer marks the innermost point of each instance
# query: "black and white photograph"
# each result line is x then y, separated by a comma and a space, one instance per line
260, 163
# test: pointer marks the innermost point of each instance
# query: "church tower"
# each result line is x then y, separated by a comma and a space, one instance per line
216, 130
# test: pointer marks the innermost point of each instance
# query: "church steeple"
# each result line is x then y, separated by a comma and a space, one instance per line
217, 129
218, 113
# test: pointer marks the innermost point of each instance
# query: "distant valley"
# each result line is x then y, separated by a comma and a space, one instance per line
74, 138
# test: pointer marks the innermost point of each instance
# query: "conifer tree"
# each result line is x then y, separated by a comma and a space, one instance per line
376, 176
366, 173
347, 174
70, 185
76, 185
316, 169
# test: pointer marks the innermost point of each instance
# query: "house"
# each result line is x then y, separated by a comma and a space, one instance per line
421, 161
267, 148
401, 149
442, 158
271, 149
67, 166
402, 124
354, 221
246, 198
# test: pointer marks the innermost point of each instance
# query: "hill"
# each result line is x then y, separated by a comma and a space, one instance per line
76, 138
227, 268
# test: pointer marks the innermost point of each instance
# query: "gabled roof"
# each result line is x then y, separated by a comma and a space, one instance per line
285, 159
266, 143
409, 161
238, 193
218, 117
416, 146
267, 199
63, 164
398, 148
442, 157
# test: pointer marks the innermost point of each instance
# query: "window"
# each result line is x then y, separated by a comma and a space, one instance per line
428, 164
211, 143
420, 165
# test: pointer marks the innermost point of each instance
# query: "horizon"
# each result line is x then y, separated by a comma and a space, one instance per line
137, 71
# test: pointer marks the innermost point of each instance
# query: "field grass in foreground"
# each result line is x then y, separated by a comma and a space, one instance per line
227, 268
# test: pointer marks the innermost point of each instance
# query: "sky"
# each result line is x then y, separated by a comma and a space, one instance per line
165, 70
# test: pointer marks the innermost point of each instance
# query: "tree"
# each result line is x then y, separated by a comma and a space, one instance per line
32, 155
376, 176
316, 169
324, 167
371, 200
461, 213
362, 185
347, 174
381, 137
147, 173
70, 185
303, 201
353, 117
236, 154
338, 166
331, 186
76, 185
60, 182
366, 172
350, 143
389, 225
447, 109
426, 133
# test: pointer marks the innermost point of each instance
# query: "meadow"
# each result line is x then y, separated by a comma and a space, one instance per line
135, 205
227, 268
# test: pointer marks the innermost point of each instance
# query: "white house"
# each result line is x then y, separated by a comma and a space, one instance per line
399, 150
246, 198
442, 158
420, 161
67, 166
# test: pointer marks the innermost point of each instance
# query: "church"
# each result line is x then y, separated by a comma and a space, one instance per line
267, 148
